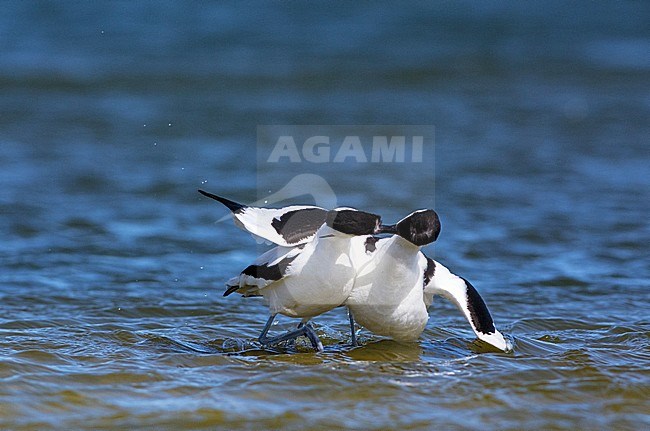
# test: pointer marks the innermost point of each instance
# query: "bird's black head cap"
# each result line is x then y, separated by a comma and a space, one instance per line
420, 227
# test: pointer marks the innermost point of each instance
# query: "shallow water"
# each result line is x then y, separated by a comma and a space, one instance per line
112, 266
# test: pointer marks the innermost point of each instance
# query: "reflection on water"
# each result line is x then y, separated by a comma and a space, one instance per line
112, 267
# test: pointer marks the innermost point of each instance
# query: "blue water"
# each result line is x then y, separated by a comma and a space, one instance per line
112, 266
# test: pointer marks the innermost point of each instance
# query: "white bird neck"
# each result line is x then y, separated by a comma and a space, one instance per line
407, 248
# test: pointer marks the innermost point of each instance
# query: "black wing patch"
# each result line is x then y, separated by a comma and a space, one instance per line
478, 310
269, 272
431, 269
265, 272
296, 225
370, 244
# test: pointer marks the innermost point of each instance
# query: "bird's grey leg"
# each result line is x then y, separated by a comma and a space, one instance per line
265, 331
303, 329
353, 333
313, 337
292, 343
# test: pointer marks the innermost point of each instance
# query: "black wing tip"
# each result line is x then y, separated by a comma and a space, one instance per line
479, 312
231, 205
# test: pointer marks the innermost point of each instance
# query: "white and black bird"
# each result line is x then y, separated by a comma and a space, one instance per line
387, 297
312, 273
393, 288
396, 282
289, 226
